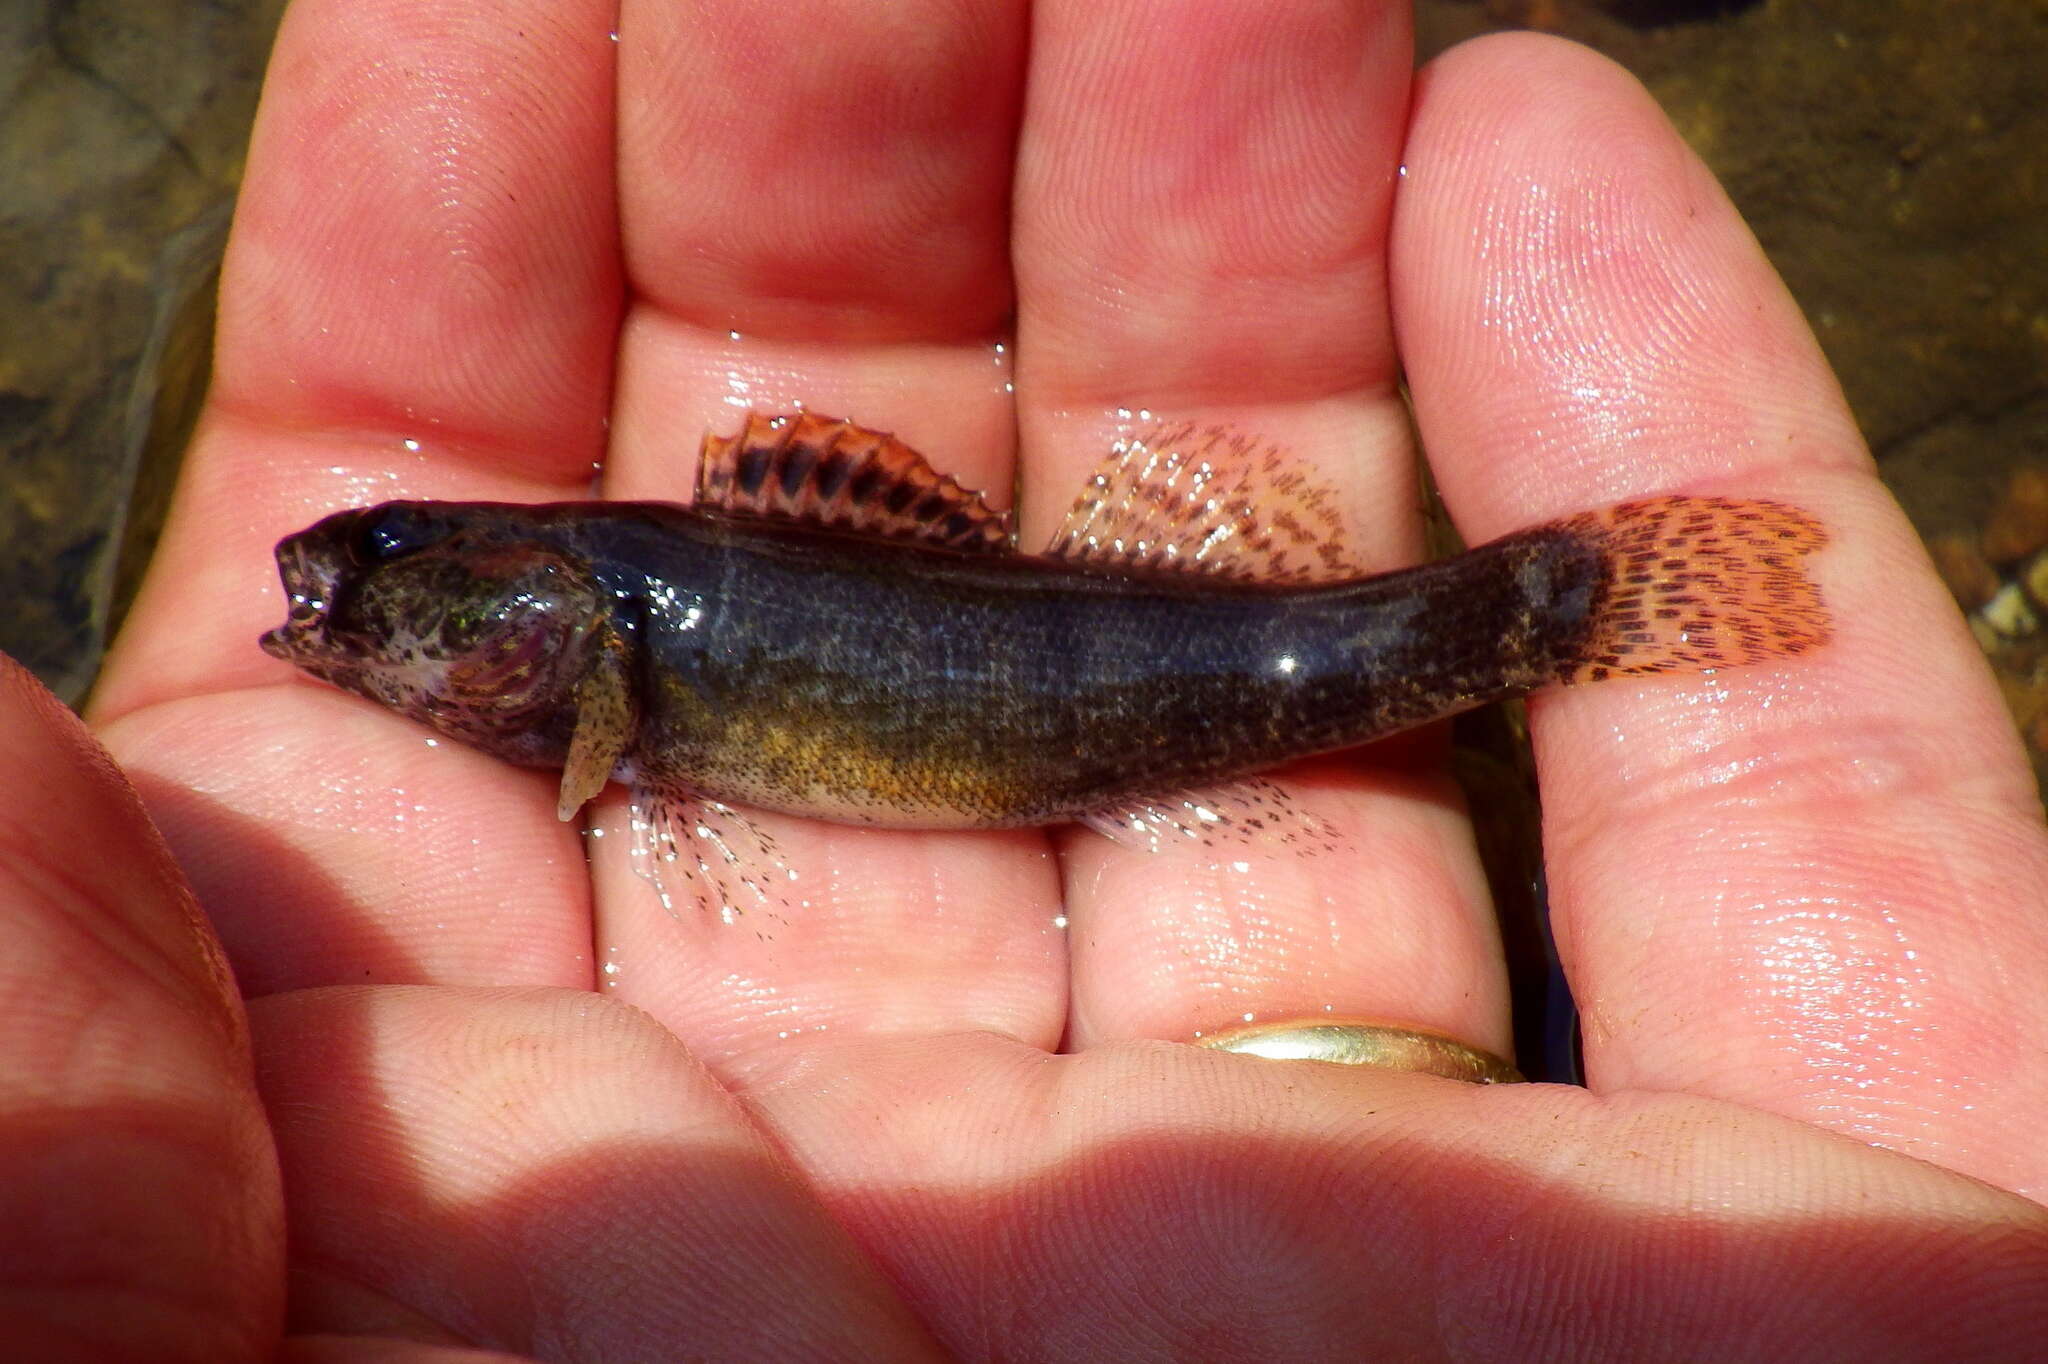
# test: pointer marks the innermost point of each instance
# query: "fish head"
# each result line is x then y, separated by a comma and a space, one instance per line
463, 616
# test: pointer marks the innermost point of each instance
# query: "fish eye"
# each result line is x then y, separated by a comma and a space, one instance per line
387, 533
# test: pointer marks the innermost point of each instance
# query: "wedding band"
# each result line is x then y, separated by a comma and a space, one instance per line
1355, 1042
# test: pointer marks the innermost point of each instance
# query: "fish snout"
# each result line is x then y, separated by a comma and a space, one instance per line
310, 572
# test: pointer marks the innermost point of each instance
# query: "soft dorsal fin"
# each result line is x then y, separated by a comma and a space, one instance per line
832, 473
1207, 500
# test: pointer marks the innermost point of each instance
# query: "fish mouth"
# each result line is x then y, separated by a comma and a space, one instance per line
310, 577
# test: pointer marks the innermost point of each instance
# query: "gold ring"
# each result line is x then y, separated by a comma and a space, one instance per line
1357, 1042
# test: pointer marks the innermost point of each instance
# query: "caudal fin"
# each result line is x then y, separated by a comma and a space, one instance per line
1699, 582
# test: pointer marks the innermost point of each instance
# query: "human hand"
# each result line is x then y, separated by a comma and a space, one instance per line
1799, 904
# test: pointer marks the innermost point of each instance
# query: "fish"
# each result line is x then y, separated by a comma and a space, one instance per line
835, 629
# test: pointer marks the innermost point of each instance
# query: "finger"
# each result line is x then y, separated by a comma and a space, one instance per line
1201, 214
822, 224
420, 299
814, 225
332, 845
141, 1214
358, 1350
1812, 888
541, 1173
1374, 1215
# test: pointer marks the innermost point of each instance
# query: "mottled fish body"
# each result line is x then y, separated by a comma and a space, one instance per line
837, 631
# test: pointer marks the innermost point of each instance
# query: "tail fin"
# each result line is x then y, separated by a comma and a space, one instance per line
1699, 582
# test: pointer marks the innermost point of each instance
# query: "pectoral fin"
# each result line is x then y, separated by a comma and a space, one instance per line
606, 718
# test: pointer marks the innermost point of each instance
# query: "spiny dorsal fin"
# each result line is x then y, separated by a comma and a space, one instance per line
832, 473
1207, 500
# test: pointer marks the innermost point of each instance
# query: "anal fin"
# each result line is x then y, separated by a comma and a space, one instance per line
1251, 813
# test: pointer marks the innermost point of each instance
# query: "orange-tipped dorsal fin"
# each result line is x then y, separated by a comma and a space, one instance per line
831, 473
1206, 499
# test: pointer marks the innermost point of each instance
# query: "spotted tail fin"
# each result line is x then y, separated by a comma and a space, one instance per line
1698, 582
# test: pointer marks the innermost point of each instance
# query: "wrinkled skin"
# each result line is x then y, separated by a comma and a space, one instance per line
510, 1104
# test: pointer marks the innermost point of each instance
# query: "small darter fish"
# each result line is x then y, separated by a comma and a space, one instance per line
834, 629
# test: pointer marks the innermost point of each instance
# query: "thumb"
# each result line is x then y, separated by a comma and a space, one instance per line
140, 1214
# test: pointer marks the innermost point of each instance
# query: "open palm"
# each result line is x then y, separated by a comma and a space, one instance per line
487, 250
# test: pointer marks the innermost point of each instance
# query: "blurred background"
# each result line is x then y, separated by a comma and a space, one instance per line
1889, 156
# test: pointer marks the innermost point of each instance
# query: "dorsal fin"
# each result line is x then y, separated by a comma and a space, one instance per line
832, 473
1206, 500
